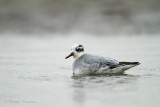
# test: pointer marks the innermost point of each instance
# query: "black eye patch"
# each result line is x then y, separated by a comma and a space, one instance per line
80, 46
79, 49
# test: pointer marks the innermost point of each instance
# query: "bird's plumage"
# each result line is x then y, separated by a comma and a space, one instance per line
92, 64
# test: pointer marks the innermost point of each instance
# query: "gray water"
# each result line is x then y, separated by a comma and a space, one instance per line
34, 73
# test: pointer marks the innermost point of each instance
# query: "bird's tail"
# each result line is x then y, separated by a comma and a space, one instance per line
127, 65
122, 66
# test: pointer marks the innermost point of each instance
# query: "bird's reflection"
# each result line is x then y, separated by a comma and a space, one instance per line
79, 95
82, 84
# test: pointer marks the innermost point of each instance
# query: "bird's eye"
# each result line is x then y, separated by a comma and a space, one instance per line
78, 49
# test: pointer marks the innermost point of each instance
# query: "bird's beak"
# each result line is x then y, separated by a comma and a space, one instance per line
71, 54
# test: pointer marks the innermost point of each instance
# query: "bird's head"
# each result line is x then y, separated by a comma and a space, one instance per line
77, 50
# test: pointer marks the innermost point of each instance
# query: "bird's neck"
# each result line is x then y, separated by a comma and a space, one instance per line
75, 57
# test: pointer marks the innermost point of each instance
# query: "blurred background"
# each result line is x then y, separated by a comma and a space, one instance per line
100, 17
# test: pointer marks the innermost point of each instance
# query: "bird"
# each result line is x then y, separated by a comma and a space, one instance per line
93, 64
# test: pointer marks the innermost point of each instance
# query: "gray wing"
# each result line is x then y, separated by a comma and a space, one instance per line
88, 58
94, 63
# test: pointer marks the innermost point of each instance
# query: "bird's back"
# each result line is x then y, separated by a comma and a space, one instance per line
92, 63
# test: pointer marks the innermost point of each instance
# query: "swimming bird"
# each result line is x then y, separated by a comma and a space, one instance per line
92, 64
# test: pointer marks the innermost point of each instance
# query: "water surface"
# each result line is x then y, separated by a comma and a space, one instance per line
34, 72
